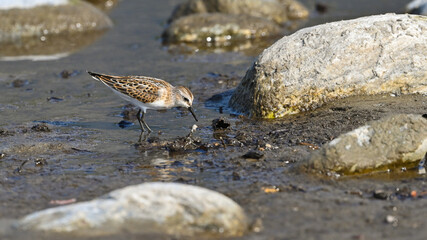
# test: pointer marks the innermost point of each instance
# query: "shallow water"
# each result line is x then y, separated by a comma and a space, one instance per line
87, 154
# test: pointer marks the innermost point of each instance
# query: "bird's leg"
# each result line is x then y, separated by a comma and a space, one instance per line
138, 116
145, 137
145, 124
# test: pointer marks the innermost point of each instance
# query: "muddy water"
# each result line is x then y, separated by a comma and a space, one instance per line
84, 153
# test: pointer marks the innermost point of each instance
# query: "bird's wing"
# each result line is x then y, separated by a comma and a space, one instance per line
144, 89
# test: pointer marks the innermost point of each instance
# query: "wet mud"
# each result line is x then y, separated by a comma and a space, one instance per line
64, 137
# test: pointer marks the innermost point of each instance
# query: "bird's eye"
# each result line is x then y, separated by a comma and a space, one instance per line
186, 99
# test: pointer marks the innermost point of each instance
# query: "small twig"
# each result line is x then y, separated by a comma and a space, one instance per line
223, 142
62, 202
19, 169
312, 146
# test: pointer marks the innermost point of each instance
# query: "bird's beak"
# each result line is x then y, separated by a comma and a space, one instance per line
192, 112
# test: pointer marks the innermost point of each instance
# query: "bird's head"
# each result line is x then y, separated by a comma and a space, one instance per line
185, 98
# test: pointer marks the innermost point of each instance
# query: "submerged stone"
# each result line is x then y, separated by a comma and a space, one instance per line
383, 54
103, 4
168, 208
31, 28
55, 18
417, 7
279, 11
391, 142
219, 28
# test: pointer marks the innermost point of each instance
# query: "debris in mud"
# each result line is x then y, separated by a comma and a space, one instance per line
68, 74
257, 225
403, 193
193, 128
54, 99
272, 189
392, 220
5, 133
62, 202
253, 155
19, 169
183, 144
177, 163
236, 176
381, 194
184, 180
178, 145
2, 155
220, 124
311, 146
40, 162
415, 194
41, 128
17, 83
340, 109
124, 124
80, 150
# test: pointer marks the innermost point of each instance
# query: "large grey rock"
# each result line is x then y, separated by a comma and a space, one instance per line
394, 141
279, 11
41, 18
168, 208
219, 28
417, 7
369, 55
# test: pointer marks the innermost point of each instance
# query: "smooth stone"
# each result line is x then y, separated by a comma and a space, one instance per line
279, 11
392, 142
219, 28
8, 4
417, 7
73, 16
164, 208
382, 54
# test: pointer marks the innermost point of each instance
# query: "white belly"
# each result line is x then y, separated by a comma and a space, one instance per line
158, 104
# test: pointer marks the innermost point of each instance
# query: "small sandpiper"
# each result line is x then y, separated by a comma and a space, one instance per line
147, 93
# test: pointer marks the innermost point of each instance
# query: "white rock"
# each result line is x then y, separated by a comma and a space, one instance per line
8, 4
371, 55
391, 142
169, 208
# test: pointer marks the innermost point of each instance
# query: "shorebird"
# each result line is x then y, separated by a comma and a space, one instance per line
147, 93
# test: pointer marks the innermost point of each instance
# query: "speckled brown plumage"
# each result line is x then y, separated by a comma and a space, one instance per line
143, 89
148, 93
